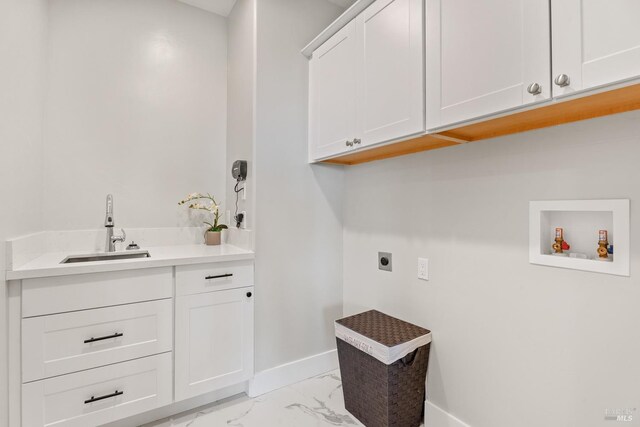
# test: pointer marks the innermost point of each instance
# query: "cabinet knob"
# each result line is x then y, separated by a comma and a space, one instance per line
562, 80
534, 89
357, 141
349, 143
249, 294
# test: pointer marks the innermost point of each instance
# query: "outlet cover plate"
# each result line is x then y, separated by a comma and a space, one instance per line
423, 268
384, 261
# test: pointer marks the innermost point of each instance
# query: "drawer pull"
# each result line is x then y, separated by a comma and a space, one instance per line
106, 396
108, 337
220, 276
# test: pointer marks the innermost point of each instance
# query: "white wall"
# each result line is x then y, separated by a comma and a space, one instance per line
298, 206
241, 103
23, 30
136, 107
513, 343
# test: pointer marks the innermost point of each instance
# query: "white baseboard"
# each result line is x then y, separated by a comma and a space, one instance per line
434, 416
292, 372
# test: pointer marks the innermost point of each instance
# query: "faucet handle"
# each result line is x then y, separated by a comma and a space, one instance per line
120, 238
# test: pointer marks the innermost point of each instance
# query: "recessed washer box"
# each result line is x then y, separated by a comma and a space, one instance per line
581, 221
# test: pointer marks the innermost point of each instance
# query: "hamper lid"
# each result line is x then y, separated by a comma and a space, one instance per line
381, 336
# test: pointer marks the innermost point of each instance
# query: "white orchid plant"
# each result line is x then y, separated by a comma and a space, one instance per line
209, 204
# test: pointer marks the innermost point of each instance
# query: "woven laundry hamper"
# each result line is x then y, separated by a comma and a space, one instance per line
383, 364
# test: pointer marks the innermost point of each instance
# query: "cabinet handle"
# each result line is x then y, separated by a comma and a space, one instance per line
108, 337
534, 89
249, 294
357, 141
562, 80
349, 143
106, 396
219, 276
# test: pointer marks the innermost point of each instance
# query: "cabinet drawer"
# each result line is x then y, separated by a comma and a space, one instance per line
195, 279
69, 342
68, 293
100, 395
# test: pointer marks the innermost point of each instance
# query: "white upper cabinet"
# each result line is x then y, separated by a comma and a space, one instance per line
484, 57
595, 43
391, 75
403, 67
366, 82
332, 94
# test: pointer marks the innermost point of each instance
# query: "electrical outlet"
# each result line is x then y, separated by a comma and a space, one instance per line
423, 268
384, 261
244, 220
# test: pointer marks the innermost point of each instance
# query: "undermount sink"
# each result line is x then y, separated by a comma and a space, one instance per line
110, 256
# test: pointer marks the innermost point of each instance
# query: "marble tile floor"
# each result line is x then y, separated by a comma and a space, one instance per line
316, 402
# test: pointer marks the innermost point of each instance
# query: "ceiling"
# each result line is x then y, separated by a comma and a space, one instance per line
221, 7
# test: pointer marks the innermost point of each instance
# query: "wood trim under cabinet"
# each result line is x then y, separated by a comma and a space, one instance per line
562, 111
415, 145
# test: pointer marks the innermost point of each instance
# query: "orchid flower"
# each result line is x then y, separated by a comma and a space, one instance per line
211, 206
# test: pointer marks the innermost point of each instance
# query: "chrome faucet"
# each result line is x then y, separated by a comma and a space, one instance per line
109, 223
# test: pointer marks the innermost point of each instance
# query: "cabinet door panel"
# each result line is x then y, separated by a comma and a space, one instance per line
214, 341
594, 42
482, 56
332, 94
391, 86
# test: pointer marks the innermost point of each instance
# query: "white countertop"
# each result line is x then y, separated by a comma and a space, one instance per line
49, 265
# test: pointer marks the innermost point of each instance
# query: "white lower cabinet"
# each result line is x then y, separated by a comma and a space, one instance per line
98, 396
97, 348
213, 340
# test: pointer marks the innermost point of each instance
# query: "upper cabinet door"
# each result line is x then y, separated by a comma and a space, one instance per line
391, 73
332, 94
595, 43
484, 57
